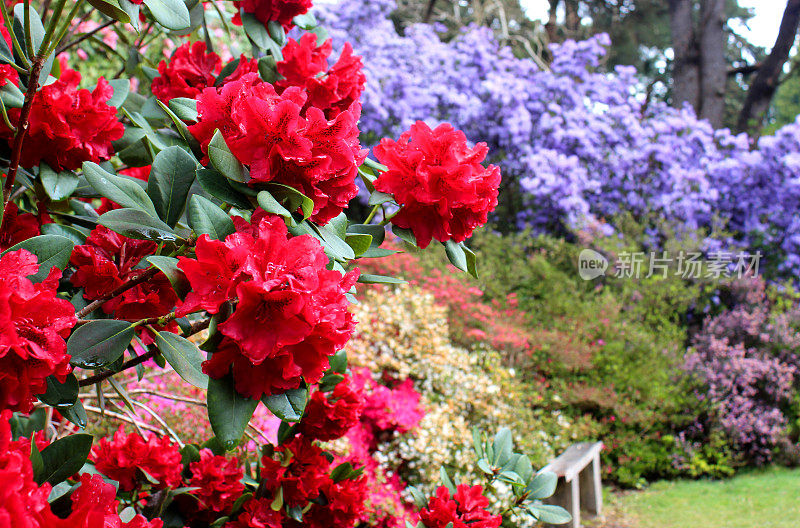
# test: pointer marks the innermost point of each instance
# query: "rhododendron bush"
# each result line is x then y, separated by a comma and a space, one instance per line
190, 215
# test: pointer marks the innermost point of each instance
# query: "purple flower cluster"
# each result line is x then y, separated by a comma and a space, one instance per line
749, 367
580, 144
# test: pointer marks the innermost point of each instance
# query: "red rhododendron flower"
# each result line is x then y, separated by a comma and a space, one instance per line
17, 227
343, 507
33, 325
282, 144
94, 505
444, 191
331, 90
191, 69
106, 261
282, 11
219, 479
125, 455
330, 415
303, 478
258, 513
140, 173
467, 509
23, 504
291, 314
69, 125
7, 73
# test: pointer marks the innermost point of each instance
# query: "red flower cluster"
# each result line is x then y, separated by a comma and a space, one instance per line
303, 478
291, 313
282, 11
444, 191
329, 416
191, 69
108, 260
126, 455
343, 507
16, 227
23, 504
467, 509
69, 125
7, 73
258, 513
269, 133
331, 90
33, 325
219, 479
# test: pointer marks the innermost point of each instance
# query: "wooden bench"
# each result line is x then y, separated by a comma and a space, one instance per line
579, 487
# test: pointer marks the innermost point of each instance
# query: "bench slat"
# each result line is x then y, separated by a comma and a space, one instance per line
574, 459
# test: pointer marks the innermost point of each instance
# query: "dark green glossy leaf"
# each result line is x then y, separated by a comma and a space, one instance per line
60, 395
57, 185
184, 108
137, 224
228, 411
184, 356
120, 189
206, 217
367, 278
111, 9
170, 179
288, 406
99, 343
50, 250
64, 457
172, 14
218, 186
223, 159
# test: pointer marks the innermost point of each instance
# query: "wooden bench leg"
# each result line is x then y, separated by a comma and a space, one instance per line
567, 496
591, 488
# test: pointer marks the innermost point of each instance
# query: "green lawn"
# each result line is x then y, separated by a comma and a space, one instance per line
760, 499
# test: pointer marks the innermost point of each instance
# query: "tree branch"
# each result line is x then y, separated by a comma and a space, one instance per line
94, 305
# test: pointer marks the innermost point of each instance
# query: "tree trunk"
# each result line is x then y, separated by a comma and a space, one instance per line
686, 64
572, 20
713, 68
761, 91
552, 22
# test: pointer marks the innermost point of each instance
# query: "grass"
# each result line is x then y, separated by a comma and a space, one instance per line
765, 499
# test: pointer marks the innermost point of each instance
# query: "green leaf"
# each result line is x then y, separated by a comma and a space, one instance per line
367, 278
111, 9
269, 204
184, 356
338, 362
120, 189
57, 185
172, 14
276, 31
60, 395
169, 267
359, 242
99, 343
122, 87
405, 235
484, 466
6, 55
334, 246
228, 411
377, 232
472, 261
223, 159
137, 224
72, 232
419, 499
206, 217
255, 29
64, 457
292, 198
50, 250
11, 95
76, 414
171, 178
446, 482
288, 406
133, 12
183, 130
268, 69
37, 463
37, 36
377, 198
218, 186
550, 514
502, 445
456, 255
184, 108
523, 468
305, 21
543, 485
